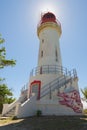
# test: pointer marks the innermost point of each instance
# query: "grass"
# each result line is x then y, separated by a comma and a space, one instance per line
5, 120
48, 123
8, 120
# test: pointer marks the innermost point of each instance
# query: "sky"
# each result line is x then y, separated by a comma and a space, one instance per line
18, 26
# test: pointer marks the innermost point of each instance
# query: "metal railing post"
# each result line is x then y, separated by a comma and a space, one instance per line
66, 71
69, 73
41, 70
61, 69
48, 69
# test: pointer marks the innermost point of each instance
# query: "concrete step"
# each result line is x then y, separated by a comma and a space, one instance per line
10, 113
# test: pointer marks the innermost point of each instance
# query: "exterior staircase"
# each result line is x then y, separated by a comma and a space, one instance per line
58, 83
11, 112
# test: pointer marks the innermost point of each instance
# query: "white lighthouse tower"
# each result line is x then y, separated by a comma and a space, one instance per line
49, 58
49, 32
52, 88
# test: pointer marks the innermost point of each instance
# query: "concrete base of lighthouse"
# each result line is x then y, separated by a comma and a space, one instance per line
60, 101
48, 107
57, 94
65, 101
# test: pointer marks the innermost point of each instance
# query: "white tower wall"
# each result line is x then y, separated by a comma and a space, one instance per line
49, 51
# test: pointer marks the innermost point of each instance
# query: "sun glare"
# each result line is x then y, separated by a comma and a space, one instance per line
48, 8
44, 7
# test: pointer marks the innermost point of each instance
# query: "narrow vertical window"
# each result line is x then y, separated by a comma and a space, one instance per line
41, 53
56, 54
42, 40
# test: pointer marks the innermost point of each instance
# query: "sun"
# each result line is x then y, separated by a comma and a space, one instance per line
48, 7
44, 7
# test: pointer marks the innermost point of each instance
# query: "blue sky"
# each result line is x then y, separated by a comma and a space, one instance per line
18, 26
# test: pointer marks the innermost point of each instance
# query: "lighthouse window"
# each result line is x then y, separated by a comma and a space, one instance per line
56, 55
48, 16
51, 15
42, 40
41, 53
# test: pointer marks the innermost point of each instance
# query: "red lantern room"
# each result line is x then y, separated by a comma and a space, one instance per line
51, 21
48, 17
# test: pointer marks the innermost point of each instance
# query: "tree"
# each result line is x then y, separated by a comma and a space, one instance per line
5, 93
84, 92
3, 61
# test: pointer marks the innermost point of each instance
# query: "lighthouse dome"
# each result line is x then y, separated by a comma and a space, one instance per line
48, 17
49, 20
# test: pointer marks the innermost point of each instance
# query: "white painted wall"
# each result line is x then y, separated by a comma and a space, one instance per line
29, 108
49, 47
44, 78
53, 108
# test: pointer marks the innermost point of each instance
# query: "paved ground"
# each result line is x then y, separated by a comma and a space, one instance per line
47, 123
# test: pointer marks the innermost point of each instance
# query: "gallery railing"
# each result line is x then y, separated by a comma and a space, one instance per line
49, 69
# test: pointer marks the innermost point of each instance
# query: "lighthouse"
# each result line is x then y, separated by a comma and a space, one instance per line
52, 88
49, 64
49, 32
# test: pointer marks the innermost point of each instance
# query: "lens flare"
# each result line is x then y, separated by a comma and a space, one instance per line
48, 7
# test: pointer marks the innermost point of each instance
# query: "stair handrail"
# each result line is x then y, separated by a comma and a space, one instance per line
71, 74
45, 86
10, 107
58, 84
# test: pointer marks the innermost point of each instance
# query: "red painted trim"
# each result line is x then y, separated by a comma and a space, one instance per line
48, 17
48, 20
38, 82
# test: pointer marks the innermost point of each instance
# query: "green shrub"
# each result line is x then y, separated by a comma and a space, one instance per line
14, 118
85, 111
38, 113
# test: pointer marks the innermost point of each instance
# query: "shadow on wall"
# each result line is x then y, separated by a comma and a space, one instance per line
47, 123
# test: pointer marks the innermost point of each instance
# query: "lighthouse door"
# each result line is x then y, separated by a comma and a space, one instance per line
35, 89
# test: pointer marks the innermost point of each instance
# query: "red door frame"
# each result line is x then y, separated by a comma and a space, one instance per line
36, 82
